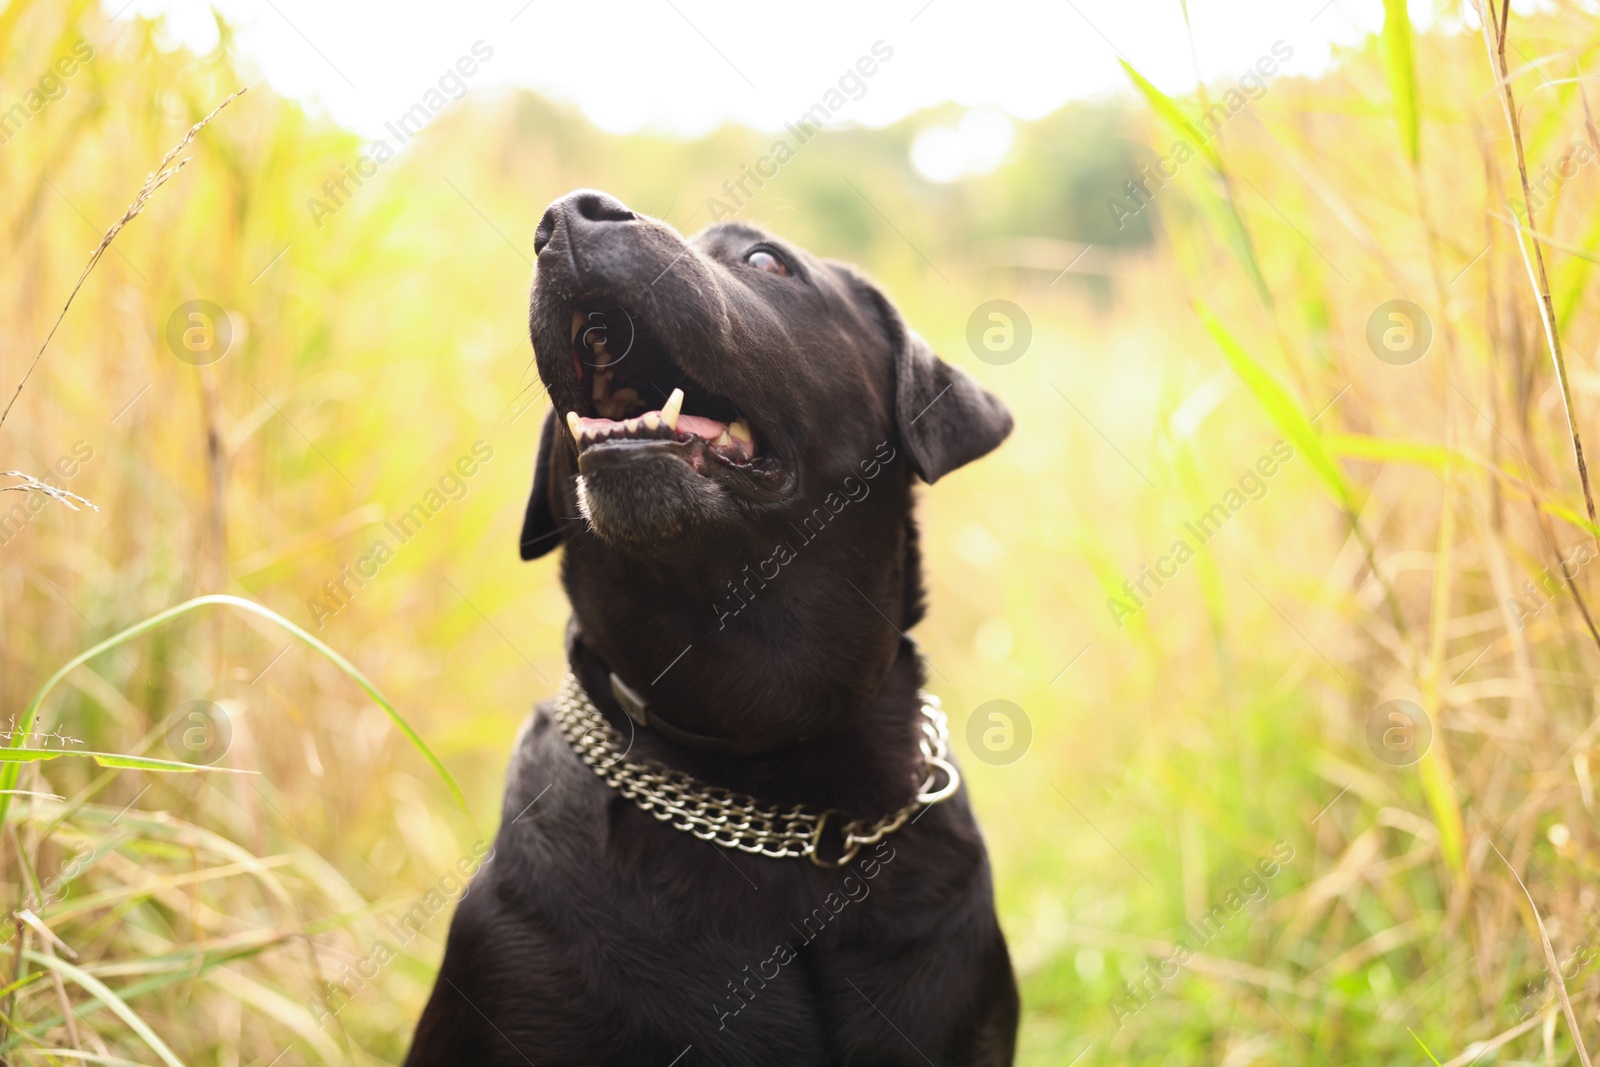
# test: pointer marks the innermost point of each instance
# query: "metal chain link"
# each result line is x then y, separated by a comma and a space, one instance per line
733, 820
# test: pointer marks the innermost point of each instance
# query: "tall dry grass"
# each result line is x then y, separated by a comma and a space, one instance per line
1446, 904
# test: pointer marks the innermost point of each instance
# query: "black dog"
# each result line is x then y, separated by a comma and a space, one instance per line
733, 489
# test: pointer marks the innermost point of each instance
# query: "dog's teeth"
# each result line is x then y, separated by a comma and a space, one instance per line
723, 439
741, 430
602, 383
671, 410
631, 425
651, 420
577, 323
575, 426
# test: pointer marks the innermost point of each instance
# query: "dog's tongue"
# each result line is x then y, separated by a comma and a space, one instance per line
710, 429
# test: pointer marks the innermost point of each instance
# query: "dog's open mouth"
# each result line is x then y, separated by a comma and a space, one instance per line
635, 392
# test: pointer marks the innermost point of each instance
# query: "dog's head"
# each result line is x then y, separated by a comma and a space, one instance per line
730, 412
703, 388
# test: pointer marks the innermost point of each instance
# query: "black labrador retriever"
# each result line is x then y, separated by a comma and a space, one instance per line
734, 837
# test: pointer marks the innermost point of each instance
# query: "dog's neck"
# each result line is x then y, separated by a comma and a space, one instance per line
864, 766
813, 674
799, 650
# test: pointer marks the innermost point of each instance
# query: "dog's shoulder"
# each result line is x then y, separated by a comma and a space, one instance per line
545, 776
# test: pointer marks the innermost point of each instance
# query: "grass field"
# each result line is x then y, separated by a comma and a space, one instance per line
1249, 516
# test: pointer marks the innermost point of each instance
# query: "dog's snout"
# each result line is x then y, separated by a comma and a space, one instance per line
578, 210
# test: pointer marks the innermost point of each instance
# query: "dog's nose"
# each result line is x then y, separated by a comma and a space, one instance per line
578, 210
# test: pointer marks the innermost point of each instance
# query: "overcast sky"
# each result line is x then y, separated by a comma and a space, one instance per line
687, 65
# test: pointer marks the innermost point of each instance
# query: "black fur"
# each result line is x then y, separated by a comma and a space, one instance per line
598, 935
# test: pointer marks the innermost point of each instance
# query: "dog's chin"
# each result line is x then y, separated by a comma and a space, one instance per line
648, 499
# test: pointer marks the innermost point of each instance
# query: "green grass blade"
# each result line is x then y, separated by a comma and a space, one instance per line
110, 759
1389, 450
31, 755
101, 992
26, 980
1401, 72
1221, 209
1436, 458
1168, 111
1425, 1048
1278, 404
30, 715
146, 763
1567, 515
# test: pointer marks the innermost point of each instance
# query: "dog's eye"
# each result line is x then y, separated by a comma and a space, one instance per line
761, 259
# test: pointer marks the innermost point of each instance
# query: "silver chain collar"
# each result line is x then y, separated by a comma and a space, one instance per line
733, 820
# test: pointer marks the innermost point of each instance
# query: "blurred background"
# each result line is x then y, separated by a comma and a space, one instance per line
1266, 638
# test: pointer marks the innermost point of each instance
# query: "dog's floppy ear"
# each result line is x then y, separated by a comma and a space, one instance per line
539, 529
946, 419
